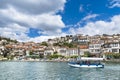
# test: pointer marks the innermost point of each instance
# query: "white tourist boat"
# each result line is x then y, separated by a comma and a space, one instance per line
87, 62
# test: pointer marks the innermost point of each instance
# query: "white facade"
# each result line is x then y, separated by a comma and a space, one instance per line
48, 52
95, 48
72, 52
112, 47
67, 51
62, 51
82, 51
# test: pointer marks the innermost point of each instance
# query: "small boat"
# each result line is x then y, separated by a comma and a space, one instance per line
87, 62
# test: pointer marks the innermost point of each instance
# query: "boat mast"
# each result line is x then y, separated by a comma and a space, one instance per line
79, 53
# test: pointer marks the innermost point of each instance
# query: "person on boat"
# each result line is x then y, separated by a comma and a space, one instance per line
88, 62
78, 62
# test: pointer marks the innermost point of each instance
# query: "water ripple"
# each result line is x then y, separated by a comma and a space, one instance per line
55, 71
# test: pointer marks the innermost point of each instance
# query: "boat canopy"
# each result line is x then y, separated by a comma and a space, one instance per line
91, 59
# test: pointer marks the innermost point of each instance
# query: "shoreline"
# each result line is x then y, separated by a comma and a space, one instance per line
36, 60
107, 61
113, 61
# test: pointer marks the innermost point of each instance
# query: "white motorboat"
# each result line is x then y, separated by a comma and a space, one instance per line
87, 62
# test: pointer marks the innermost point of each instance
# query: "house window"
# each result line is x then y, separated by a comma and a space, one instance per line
92, 50
62, 51
91, 46
97, 46
115, 45
97, 50
114, 50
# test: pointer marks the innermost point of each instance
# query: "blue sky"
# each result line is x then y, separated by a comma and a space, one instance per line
40, 20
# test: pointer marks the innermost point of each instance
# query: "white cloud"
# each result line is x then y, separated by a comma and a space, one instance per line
16, 18
99, 27
34, 6
41, 38
114, 3
45, 38
81, 8
14, 31
86, 19
90, 16
45, 22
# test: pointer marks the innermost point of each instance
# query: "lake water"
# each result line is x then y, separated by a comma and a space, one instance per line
56, 71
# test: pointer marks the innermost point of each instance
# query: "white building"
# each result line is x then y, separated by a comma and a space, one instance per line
95, 48
67, 51
48, 51
62, 51
113, 47
72, 52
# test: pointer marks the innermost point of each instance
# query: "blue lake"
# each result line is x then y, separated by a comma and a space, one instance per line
56, 71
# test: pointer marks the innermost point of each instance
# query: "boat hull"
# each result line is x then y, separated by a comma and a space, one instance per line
86, 66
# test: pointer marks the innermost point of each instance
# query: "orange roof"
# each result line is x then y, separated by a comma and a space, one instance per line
83, 47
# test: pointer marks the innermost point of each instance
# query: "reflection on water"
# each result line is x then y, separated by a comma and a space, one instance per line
56, 71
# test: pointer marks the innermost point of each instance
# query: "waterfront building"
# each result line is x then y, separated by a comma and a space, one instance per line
62, 51
95, 47
111, 47
48, 51
72, 52
83, 48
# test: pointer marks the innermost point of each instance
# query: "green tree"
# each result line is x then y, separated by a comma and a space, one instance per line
55, 56
73, 56
34, 56
55, 52
55, 44
44, 44
41, 56
31, 53
87, 54
112, 55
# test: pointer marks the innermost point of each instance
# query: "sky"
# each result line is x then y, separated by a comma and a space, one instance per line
39, 20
